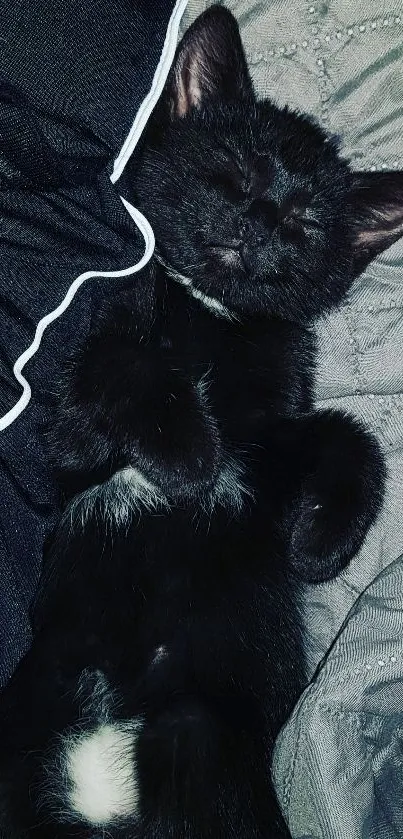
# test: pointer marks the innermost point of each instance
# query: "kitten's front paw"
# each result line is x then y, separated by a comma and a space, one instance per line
180, 449
133, 409
339, 498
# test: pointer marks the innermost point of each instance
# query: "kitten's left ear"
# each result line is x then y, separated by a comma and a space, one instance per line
209, 64
376, 205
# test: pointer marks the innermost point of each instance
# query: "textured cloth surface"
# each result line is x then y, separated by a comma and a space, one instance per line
72, 75
338, 765
342, 61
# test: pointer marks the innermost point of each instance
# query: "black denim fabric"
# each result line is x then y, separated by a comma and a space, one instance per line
73, 74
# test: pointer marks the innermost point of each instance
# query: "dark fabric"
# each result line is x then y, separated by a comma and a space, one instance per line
73, 74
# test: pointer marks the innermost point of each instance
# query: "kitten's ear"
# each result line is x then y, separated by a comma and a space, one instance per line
209, 64
376, 205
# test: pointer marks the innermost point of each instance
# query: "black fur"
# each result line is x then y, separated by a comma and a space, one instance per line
181, 611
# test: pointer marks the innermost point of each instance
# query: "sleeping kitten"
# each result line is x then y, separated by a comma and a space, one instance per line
168, 648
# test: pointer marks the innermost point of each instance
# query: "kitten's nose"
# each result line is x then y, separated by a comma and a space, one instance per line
258, 222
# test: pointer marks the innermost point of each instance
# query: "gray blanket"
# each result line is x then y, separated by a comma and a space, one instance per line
338, 765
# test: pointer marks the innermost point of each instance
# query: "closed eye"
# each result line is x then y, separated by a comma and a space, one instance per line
232, 184
311, 223
230, 171
296, 220
232, 161
296, 213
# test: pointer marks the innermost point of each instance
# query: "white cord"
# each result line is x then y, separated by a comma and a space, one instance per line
160, 77
143, 225
149, 240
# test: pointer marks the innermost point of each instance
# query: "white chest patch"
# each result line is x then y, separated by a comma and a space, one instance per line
126, 492
101, 770
211, 303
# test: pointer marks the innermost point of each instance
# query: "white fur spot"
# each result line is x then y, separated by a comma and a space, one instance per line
141, 491
210, 303
101, 773
91, 770
95, 696
126, 492
230, 490
229, 256
160, 654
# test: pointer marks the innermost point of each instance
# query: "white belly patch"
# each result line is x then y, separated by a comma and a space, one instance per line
91, 770
101, 773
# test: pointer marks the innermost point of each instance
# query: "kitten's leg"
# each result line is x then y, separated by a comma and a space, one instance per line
339, 497
123, 405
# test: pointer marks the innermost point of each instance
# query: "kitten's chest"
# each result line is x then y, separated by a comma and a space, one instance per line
254, 371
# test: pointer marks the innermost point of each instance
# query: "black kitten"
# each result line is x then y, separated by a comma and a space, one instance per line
168, 647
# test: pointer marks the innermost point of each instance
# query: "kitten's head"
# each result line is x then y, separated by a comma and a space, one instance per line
249, 202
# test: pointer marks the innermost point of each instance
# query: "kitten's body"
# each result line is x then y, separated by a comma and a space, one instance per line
181, 612
168, 647
185, 620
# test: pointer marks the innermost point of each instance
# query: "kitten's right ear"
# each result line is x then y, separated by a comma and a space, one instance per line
376, 206
209, 64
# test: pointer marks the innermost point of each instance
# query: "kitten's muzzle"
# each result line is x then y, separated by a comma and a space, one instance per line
258, 222
228, 252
